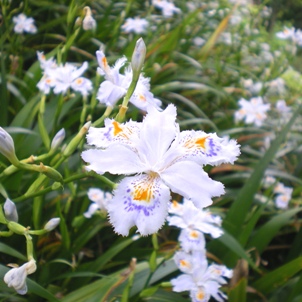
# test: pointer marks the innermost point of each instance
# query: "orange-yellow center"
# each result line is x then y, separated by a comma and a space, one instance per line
143, 191
184, 263
116, 128
194, 234
200, 295
201, 142
142, 98
104, 61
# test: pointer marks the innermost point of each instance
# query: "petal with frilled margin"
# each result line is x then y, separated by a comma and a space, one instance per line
116, 159
140, 200
113, 131
207, 148
189, 180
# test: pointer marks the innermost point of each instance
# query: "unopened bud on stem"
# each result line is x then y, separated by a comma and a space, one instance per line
52, 224
10, 211
7, 146
138, 58
88, 21
58, 139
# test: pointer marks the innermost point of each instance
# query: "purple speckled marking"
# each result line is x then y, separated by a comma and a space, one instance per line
107, 134
130, 205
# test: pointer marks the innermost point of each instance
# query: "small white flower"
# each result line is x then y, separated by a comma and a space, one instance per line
116, 85
291, 34
24, 24
100, 201
252, 111
201, 280
63, 77
135, 25
16, 277
282, 200
167, 8
194, 223
254, 88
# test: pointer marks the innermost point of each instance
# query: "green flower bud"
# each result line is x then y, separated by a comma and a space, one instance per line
17, 228
71, 147
51, 173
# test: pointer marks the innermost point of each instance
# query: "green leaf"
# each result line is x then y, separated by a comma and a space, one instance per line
164, 296
238, 292
296, 291
113, 285
12, 252
229, 241
278, 277
268, 231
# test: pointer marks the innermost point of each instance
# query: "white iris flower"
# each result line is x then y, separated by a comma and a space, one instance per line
24, 24
62, 77
252, 111
16, 277
193, 223
135, 25
116, 85
199, 278
162, 159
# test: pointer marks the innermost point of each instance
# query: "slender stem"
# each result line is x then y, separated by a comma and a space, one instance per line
102, 118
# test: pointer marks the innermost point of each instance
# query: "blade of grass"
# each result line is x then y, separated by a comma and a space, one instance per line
278, 277
267, 232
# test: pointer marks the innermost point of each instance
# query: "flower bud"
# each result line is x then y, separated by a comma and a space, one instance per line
17, 228
51, 173
58, 139
88, 21
71, 147
10, 211
7, 146
52, 224
138, 56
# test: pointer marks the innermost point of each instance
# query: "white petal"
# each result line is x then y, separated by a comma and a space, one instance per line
158, 131
113, 131
199, 294
91, 210
192, 240
189, 180
79, 71
16, 278
208, 148
182, 283
140, 200
110, 93
116, 159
